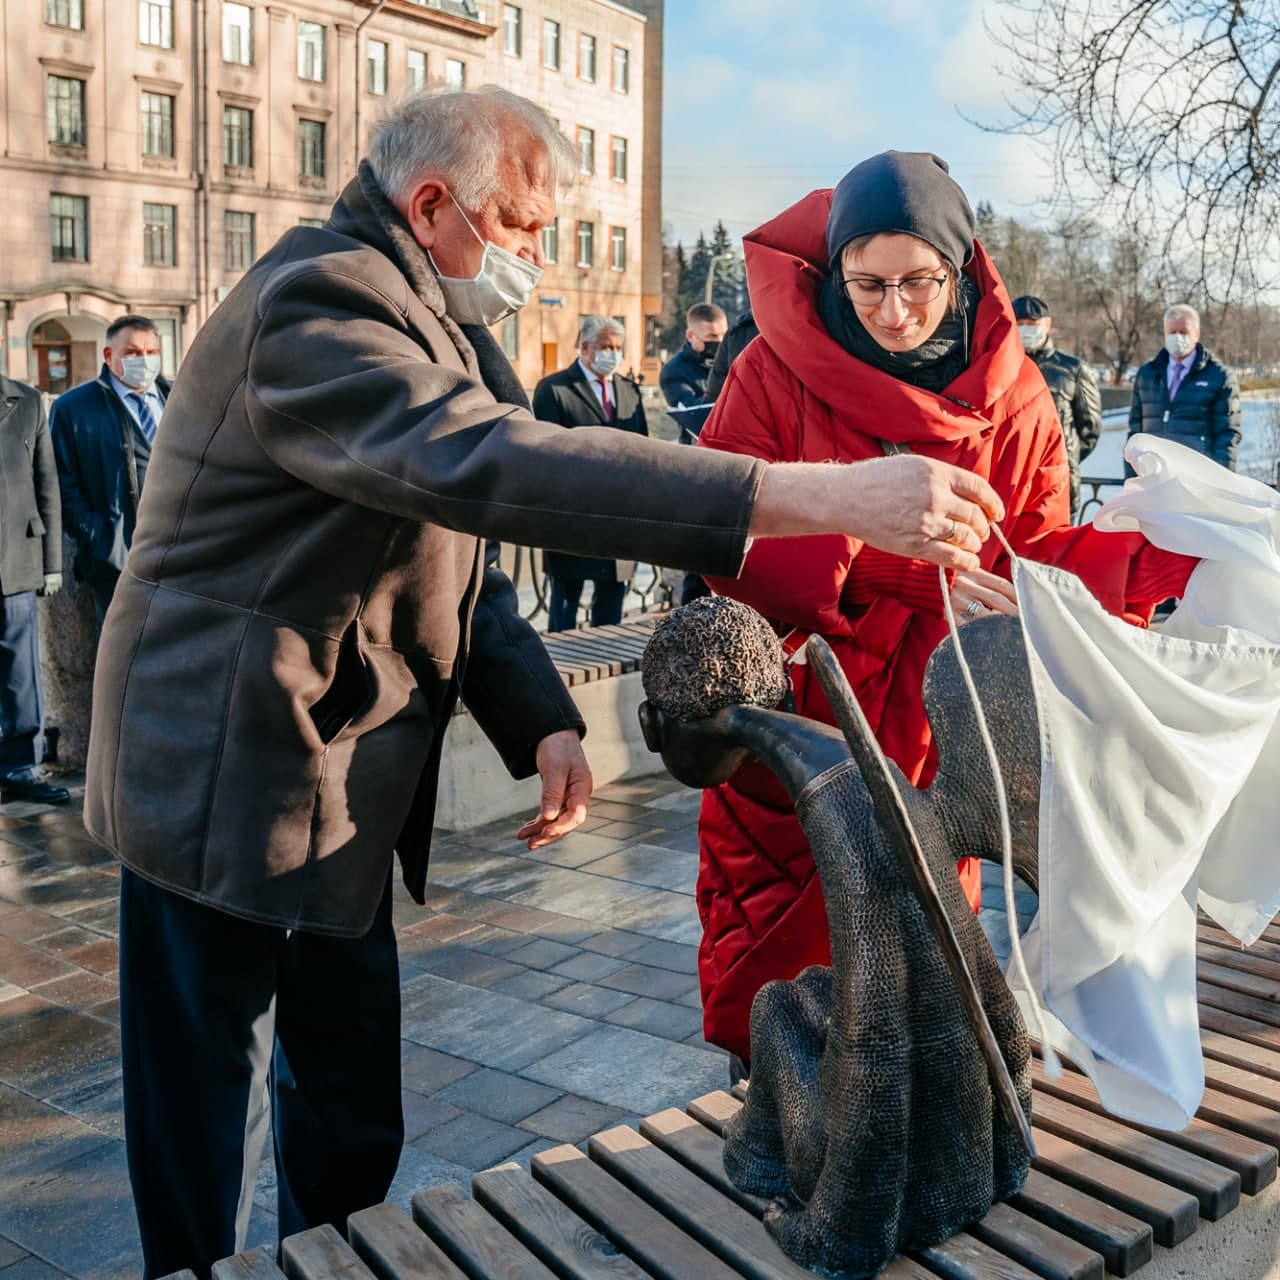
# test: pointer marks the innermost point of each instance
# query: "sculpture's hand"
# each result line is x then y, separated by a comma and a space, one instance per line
566, 789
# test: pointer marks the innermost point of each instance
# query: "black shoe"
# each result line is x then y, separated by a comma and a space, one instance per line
32, 789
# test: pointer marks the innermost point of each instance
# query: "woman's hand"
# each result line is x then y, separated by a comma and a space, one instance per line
988, 591
566, 789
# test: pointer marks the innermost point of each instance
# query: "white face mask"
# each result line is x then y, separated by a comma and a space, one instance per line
606, 363
139, 372
503, 284
1032, 336
1179, 345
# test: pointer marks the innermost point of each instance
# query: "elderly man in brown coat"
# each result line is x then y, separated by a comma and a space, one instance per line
305, 600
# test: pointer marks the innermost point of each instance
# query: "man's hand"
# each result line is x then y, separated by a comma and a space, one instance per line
566, 789
909, 505
990, 592
52, 584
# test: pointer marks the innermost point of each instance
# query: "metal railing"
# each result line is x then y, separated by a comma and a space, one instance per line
1095, 486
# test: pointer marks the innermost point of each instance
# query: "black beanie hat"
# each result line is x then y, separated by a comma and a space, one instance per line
911, 192
1029, 307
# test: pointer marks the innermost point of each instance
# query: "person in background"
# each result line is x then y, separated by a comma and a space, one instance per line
590, 393
30, 566
1184, 394
1071, 381
684, 377
103, 432
736, 340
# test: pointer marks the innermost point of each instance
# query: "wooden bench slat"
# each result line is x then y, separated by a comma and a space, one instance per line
964, 1257
1261, 967
1040, 1248
1218, 997
1215, 935
1243, 1082
476, 1241
1254, 1161
1240, 1053
321, 1254
715, 1110
253, 1264
1171, 1214
393, 1248
185, 1274
713, 1220
548, 1228
1266, 990
697, 1148
1241, 1116
638, 1230
1238, 1026
1216, 1189
1124, 1242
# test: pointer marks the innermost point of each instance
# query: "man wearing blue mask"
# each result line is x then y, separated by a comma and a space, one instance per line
590, 393
103, 433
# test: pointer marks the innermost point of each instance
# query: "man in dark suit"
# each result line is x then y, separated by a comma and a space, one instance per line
103, 432
30, 565
590, 393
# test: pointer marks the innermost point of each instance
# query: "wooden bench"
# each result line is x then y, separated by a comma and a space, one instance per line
1103, 1198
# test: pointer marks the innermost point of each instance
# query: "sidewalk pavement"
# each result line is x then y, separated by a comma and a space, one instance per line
544, 997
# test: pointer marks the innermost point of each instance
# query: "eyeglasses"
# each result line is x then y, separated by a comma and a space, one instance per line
917, 290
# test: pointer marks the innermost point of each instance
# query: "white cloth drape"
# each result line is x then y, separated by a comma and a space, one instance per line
1160, 756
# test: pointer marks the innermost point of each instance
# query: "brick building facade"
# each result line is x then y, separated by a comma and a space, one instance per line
150, 149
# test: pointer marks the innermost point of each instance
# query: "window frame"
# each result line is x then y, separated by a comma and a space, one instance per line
553, 26
153, 14
79, 220
426, 69
626, 69
588, 262
551, 242
372, 66
449, 63
228, 27
168, 228
246, 115
512, 11
74, 10
166, 125
239, 232
586, 158
307, 42
58, 106
316, 147
614, 152
617, 236
585, 40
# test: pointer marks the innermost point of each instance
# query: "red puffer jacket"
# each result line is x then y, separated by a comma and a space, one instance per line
796, 395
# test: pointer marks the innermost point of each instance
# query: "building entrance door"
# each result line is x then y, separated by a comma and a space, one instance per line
66, 353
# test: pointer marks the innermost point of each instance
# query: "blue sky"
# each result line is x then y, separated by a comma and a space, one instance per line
763, 101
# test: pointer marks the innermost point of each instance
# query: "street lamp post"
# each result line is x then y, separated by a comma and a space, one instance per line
711, 272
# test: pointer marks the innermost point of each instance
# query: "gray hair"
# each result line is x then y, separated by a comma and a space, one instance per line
594, 326
1182, 311
465, 135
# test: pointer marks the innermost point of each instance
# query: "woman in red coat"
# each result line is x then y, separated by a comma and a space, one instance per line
884, 327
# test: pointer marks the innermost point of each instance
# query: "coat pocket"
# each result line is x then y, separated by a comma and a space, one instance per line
350, 692
35, 527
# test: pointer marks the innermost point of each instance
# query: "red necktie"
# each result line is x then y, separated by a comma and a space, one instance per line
606, 401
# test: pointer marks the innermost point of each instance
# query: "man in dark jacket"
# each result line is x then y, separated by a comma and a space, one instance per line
684, 377
30, 565
1072, 382
306, 599
741, 333
103, 432
1184, 394
590, 393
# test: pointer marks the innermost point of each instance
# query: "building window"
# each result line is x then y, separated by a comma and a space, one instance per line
157, 125
509, 337
586, 244
618, 160
512, 30
310, 148
64, 106
237, 138
237, 33
621, 69
167, 332
311, 222
417, 70
455, 74
65, 13
551, 242
617, 248
239, 231
155, 23
159, 235
69, 228
551, 44
310, 51
586, 150
375, 62
586, 57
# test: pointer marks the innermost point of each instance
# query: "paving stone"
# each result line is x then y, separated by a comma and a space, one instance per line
473, 968
587, 1000
419, 1169
615, 942
27, 966
422, 1114
627, 831
103, 917
524, 1157
78, 990
645, 980
440, 928
530, 984
22, 1008
542, 953
33, 1269
571, 1118
658, 1018
587, 966
64, 938
494, 941
108, 1011
10, 1253
684, 841
25, 923
667, 955
102, 956
426, 1071
99, 1104
498, 1095
45, 883
692, 999
483, 1026
35, 1136
8, 991
473, 1141
652, 865
577, 848
57, 1051
631, 1070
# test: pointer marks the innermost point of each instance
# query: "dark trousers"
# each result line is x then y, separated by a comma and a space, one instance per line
566, 595
226, 1026
103, 587
21, 694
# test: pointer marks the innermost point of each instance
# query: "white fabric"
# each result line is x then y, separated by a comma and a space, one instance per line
1160, 753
